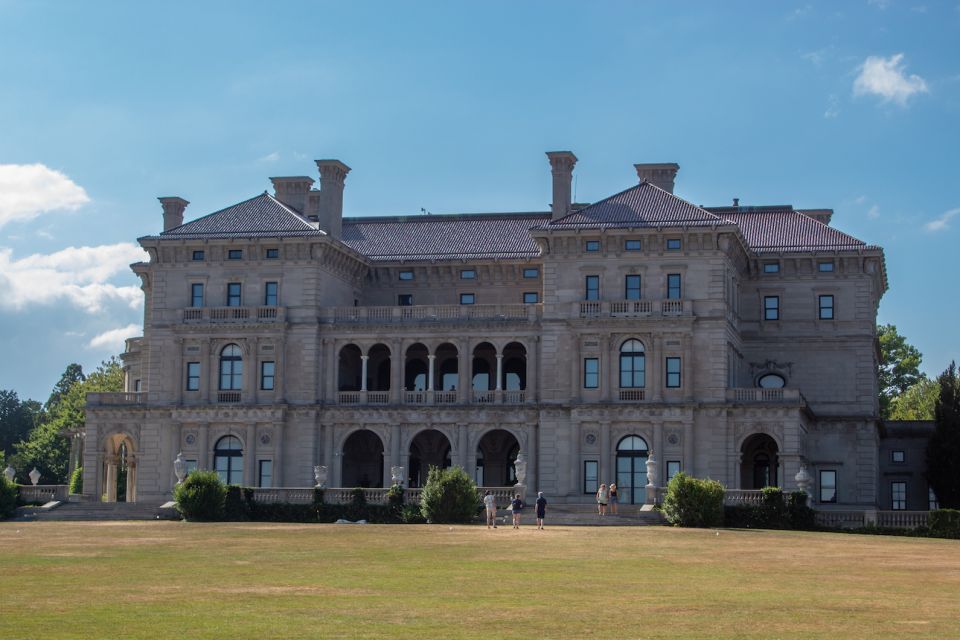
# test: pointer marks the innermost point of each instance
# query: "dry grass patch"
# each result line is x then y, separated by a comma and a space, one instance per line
160, 579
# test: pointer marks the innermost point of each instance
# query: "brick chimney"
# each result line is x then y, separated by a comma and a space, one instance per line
661, 174
330, 203
293, 191
173, 208
561, 166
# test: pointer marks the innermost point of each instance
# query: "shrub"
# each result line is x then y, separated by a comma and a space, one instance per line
76, 481
450, 496
359, 497
8, 497
234, 505
801, 515
945, 523
201, 496
692, 502
317, 496
395, 496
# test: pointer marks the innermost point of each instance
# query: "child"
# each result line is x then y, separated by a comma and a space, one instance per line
517, 505
541, 509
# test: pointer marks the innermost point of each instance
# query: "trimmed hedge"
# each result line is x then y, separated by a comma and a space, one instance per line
8, 497
201, 496
944, 523
776, 511
450, 496
693, 502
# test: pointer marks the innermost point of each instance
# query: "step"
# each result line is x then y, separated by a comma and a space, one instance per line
99, 511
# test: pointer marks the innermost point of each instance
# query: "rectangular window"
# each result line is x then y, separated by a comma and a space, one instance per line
406, 275
233, 294
235, 254
272, 254
673, 373
591, 373
632, 287
198, 254
825, 266
591, 245
826, 307
531, 272
673, 468
591, 471
673, 244
898, 496
190, 466
932, 503
267, 369
193, 376
828, 486
136, 386
631, 245
265, 474
270, 290
898, 456
674, 289
405, 299
531, 297
196, 294
467, 298
592, 288
771, 307
771, 267
468, 274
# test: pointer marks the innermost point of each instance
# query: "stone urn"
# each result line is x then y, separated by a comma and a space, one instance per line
804, 482
320, 475
396, 475
180, 468
520, 466
34, 476
10, 473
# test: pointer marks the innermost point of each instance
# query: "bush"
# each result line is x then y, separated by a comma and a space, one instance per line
692, 502
201, 496
395, 496
8, 497
76, 481
234, 506
944, 523
801, 515
450, 496
358, 498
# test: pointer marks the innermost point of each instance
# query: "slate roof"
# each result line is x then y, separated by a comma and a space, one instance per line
260, 216
448, 237
643, 205
769, 230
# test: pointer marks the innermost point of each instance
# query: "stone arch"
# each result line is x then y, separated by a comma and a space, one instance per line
378, 367
118, 472
349, 367
447, 374
496, 450
416, 369
759, 461
427, 447
483, 366
361, 453
514, 367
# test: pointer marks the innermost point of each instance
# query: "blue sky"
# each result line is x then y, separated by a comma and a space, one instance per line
450, 106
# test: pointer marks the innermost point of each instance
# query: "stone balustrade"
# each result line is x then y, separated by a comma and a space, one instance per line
735, 497
43, 492
432, 313
633, 308
232, 315
757, 395
344, 495
903, 519
121, 398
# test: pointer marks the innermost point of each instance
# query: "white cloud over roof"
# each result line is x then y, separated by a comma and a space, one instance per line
114, 338
27, 190
886, 78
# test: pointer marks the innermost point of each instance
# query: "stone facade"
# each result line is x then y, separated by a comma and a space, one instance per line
736, 343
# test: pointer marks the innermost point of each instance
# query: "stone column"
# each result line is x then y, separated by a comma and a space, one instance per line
605, 458
328, 452
363, 372
131, 481
499, 386
111, 479
609, 374
396, 371
464, 388
278, 371
249, 473
431, 359
464, 435
686, 369
395, 446
203, 458
531, 363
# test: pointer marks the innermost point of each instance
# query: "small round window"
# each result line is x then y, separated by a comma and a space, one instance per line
771, 381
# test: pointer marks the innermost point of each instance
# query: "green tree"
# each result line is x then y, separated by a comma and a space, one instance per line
917, 402
450, 496
17, 419
899, 366
943, 450
71, 375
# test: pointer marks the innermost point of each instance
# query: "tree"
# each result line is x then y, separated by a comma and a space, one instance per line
17, 419
71, 375
917, 402
899, 366
943, 450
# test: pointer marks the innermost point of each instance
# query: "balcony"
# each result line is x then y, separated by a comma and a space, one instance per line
117, 399
232, 315
634, 308
432, 398
432, 313
751, 395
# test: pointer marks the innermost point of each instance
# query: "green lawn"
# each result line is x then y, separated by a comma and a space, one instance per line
180, 580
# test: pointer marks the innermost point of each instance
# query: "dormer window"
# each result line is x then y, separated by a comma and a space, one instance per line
272, 254
771, 267
825, 266
531, 272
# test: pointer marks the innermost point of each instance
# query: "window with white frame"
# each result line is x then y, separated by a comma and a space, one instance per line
231, 368
632, 365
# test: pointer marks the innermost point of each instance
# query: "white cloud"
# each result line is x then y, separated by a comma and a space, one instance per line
113, 339
27, 190
885, 77
880, 4
874, 212
833, 107
860, 199
79, 276
270, 158
941, 223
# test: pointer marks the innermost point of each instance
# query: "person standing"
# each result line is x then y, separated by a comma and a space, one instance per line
614, 500
490, 502
517, 505
603, 496
541, 509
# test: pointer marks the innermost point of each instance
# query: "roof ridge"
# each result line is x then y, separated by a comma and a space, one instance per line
447, 216
645, 183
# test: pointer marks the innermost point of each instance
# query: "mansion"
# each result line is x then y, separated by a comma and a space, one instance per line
731, 342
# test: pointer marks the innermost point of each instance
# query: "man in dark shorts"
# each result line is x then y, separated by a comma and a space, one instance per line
517, 505
541, 509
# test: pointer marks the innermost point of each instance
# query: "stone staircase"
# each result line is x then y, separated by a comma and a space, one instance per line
93, 511
586, 515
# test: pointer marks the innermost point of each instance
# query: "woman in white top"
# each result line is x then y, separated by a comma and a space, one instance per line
603, 496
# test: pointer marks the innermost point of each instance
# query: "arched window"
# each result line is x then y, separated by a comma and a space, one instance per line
231, 368
632, 365
771, 381
228, 460
632, 452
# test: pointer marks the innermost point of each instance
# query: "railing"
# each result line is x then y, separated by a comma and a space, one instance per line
348, 397
221, 315
750, 394
484, 397
902, 519
432, 313
122, 398
415, 397
344, 495
43, 492
632, 395
841, 519
734, 497
514, 397
633, 308
228, 397
378, 397
445, 397
288, 495
363, 397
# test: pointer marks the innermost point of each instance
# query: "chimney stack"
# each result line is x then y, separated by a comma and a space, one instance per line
173, 208
661, 174
561, 165
293, 191
330, 205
